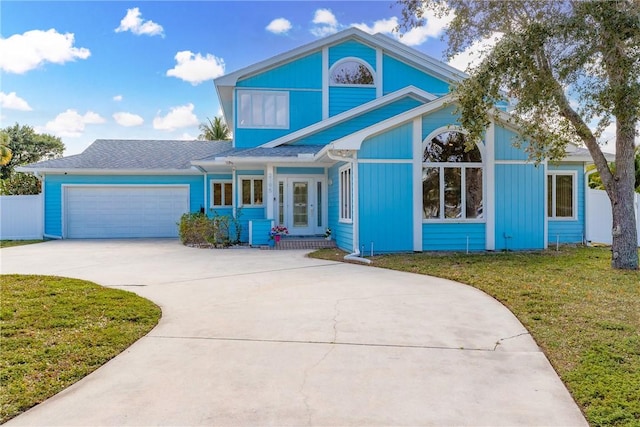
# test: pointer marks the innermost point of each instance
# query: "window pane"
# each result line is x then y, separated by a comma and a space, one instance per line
549, 195
319, 203
430, 193
269, 110
282, 110
228, 194
452, 193
473, 188
217, 194
257, 112
281, 202
257, 192
351, 73
564, 196
450, 147
245, 109
246, 191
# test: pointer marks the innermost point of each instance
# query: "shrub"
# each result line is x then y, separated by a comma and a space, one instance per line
197, 229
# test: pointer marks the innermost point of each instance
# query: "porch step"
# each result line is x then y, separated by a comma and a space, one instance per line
302, 243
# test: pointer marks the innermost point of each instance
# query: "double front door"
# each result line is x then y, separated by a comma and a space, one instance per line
301, 205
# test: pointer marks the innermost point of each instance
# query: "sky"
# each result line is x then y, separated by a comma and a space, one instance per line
87, 70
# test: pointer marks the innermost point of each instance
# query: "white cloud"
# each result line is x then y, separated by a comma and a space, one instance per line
433, 28
195, 68
71, 123
117, 98
187, 137
326, 23
473, 55
11, 101
279, 26
127, 119
178, 117
133, 22
24, 52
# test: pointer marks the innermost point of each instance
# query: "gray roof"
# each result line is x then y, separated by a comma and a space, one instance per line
136, 154
280, 151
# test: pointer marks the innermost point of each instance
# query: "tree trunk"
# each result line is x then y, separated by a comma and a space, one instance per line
624, 249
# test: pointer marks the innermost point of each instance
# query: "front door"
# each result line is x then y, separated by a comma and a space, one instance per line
300, 205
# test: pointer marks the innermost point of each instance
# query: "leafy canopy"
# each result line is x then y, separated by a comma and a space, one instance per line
216, 130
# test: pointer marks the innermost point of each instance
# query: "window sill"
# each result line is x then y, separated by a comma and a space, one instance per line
561, 219
454, 221
345, 221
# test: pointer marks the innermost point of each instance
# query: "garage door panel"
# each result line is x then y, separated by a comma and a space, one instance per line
124, 211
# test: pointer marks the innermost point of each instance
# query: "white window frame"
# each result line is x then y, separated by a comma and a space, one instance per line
247, 123
253, 179
222, 198
345, 194
352, 59
552, 191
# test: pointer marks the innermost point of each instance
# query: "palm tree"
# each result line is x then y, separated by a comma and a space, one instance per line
216, 130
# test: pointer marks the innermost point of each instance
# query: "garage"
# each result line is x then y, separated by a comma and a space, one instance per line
123, 211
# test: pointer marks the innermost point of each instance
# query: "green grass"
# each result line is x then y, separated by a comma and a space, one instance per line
10, 243
55, 330
583, 314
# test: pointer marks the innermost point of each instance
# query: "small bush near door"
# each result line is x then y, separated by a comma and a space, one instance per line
197, 229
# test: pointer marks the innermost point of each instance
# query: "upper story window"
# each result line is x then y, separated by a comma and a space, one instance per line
352, 72
452, 179
263, 109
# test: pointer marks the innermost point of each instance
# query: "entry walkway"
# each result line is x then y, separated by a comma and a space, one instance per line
252, 337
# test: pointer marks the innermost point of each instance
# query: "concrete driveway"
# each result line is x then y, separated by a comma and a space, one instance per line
252, 337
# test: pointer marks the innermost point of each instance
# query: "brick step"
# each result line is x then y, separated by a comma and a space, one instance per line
302, 243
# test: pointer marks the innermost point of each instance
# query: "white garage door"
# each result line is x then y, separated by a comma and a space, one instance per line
122, 211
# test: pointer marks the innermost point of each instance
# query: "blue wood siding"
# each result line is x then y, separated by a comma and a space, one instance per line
570, 231
303, 73
260, 229
438, 119
360, 122
305, 108
53, 192
341, 232
519, 206
397, 75
386, 214
393, 144
299, 171
453, 237
345, 98
504, 146
355, 49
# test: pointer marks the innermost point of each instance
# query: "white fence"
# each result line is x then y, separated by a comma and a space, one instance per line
21, 217
599, 218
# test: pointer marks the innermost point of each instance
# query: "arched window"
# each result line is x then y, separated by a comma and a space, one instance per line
351, 71
452, 178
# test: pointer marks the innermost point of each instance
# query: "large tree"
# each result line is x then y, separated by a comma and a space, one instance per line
216, 130
26, 146
572, 67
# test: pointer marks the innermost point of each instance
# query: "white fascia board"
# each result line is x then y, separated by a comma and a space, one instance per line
76, 171
412, 91
354, 140
253, 160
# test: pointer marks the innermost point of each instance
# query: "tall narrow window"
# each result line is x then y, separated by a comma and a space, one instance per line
351, 71
263, 109
221, 194
345, 193
281, 202
452, 179
560, 195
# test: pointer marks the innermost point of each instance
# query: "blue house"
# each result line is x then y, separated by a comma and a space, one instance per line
354, 132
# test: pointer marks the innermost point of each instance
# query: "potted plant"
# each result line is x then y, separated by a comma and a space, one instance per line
327, 233
278, 231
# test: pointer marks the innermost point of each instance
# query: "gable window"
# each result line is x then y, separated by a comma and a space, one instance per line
351, 71
263, 109
452, 179
221, 193
345, 193
560, 195
252, 193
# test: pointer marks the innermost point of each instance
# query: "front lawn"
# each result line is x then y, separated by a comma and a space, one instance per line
584, 315
10, 243
55, 330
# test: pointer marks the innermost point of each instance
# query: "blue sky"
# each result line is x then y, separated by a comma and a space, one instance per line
144, 70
